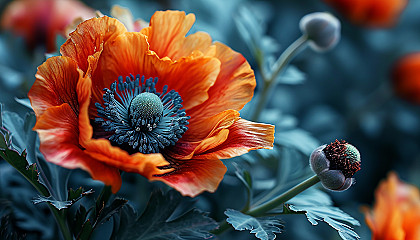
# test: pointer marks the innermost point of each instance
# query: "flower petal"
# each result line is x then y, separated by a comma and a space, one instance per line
396, 212
167, 31
129, 54
56, 84
60, 146
244, 136
192, 177
102, 150
233, 88
199, 41
89, 37
202, 135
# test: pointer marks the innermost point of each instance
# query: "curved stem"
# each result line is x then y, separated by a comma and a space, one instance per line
264, 208
279, 65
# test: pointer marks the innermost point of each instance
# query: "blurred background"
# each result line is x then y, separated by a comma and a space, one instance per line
349, 92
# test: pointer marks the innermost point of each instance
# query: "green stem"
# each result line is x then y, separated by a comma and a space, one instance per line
281, 62
60, 218
264, 208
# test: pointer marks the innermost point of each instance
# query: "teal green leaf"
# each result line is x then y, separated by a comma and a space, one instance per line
318, 206
264, 228
158, 222
19, 162
59, 205
76, 195
105, 213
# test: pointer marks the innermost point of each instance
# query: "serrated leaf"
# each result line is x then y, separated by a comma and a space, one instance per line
157, 221
79, 219
76, 195
20, 129
106, 212
85, 231
59, 205
19, 162
264, 228
318, 207
81, 226
123, 221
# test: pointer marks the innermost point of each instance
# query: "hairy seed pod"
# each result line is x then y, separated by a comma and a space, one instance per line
335, 164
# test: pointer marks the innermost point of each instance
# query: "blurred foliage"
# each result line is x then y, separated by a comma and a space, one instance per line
343, 94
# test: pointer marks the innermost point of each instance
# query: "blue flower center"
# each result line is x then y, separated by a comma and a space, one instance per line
140, 118
145, 111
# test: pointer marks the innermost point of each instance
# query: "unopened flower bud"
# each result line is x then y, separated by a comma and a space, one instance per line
406, 77
335, 164
322, 29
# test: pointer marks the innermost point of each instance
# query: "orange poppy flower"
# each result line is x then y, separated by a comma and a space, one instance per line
370, 13
406, 77
396, 213
112, 102
38, 22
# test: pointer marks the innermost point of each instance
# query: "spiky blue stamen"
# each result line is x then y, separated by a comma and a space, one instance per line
140, 117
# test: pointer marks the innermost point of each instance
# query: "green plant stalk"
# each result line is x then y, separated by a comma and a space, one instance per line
280, 64
60, 218
264, 208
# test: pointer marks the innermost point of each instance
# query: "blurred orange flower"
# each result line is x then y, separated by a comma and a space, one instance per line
370, 13
406, 77
38, 22
113, 102
396, 213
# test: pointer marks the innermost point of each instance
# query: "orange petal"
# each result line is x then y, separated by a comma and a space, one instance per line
102, 150
55, 84
129, 54
194, 176
244, 136
89, 37
199, 41
58, 134
202, 135
190, 77
396, 212
233, 88
198, 130
167, 31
